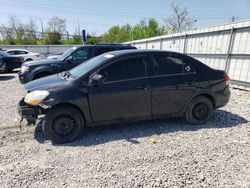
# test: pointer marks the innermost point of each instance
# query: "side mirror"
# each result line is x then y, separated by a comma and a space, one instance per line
70, 59
97, 79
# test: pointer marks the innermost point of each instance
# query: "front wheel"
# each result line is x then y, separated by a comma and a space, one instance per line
199, 110
63, 124
8, 70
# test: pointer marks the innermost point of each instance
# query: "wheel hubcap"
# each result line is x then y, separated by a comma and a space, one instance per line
63, 125
200, 111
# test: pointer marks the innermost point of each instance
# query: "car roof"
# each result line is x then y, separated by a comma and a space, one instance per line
139, 52
107, 45
17, 50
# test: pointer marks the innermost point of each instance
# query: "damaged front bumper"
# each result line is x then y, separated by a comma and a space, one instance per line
26, 110
30, 113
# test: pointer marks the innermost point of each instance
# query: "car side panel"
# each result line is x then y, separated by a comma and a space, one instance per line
170, 94
10, 63
73, 96
33, 73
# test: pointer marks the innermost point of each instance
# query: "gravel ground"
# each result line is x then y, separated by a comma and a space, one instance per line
163, 153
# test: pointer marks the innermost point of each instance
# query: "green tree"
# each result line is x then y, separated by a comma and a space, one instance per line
144, 29
53, 38
90, 39
180, 20
55, 30
56, 24
113, 35
75, 40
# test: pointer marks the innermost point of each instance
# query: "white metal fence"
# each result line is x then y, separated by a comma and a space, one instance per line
225, 47
44, 50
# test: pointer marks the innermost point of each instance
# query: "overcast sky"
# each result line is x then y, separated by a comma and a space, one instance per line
97, 16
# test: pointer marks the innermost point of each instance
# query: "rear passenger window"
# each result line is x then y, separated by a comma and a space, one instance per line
11, 53
165, 65
188, 68
19, 52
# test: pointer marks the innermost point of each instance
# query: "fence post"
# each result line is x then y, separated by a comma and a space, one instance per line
185, 43
48, 51
146, 44
229, 49
161, 44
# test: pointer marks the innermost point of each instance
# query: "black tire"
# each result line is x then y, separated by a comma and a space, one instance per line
29, 60
41, 75
63, 124
199, 110
8, 70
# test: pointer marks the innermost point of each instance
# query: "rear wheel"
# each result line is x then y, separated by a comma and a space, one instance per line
63, 124
41, 75
199, 110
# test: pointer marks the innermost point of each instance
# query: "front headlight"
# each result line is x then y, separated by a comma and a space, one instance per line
24, 69
35, 97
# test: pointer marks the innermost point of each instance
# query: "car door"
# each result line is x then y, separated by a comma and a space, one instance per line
125, 93
81, 55
168, 81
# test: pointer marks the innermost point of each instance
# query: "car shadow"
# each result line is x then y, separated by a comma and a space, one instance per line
6, 77
15, 71
132, 131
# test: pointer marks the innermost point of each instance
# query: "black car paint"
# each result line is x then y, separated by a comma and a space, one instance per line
53, 66
9, 63
137, 99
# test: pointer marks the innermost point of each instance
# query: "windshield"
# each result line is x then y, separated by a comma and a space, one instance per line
89, 65
66, 53
3, 54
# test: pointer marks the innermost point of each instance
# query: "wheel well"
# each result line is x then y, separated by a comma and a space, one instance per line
210, 97
71, 105
29, 59
40, 73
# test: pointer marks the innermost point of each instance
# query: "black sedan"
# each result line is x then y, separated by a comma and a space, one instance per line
122, 86
8, 63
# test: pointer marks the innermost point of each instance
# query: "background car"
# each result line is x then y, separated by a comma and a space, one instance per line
54, 56
9, 63
69, 59
27, 55
122, 86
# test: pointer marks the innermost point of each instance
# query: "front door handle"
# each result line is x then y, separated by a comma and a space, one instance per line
144, 87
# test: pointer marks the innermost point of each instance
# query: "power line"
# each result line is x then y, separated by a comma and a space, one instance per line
108, 13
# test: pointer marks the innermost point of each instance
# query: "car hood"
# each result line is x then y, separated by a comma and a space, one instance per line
45, 83
40, 62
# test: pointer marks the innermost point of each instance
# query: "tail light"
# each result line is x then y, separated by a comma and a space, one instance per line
227, 79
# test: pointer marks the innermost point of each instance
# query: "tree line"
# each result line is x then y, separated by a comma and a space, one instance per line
55, 32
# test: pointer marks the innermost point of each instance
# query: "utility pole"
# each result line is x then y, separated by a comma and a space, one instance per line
41, 21
233, 19
78, 24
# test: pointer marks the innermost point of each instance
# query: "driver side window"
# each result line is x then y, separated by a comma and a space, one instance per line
125, 69
82, 54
